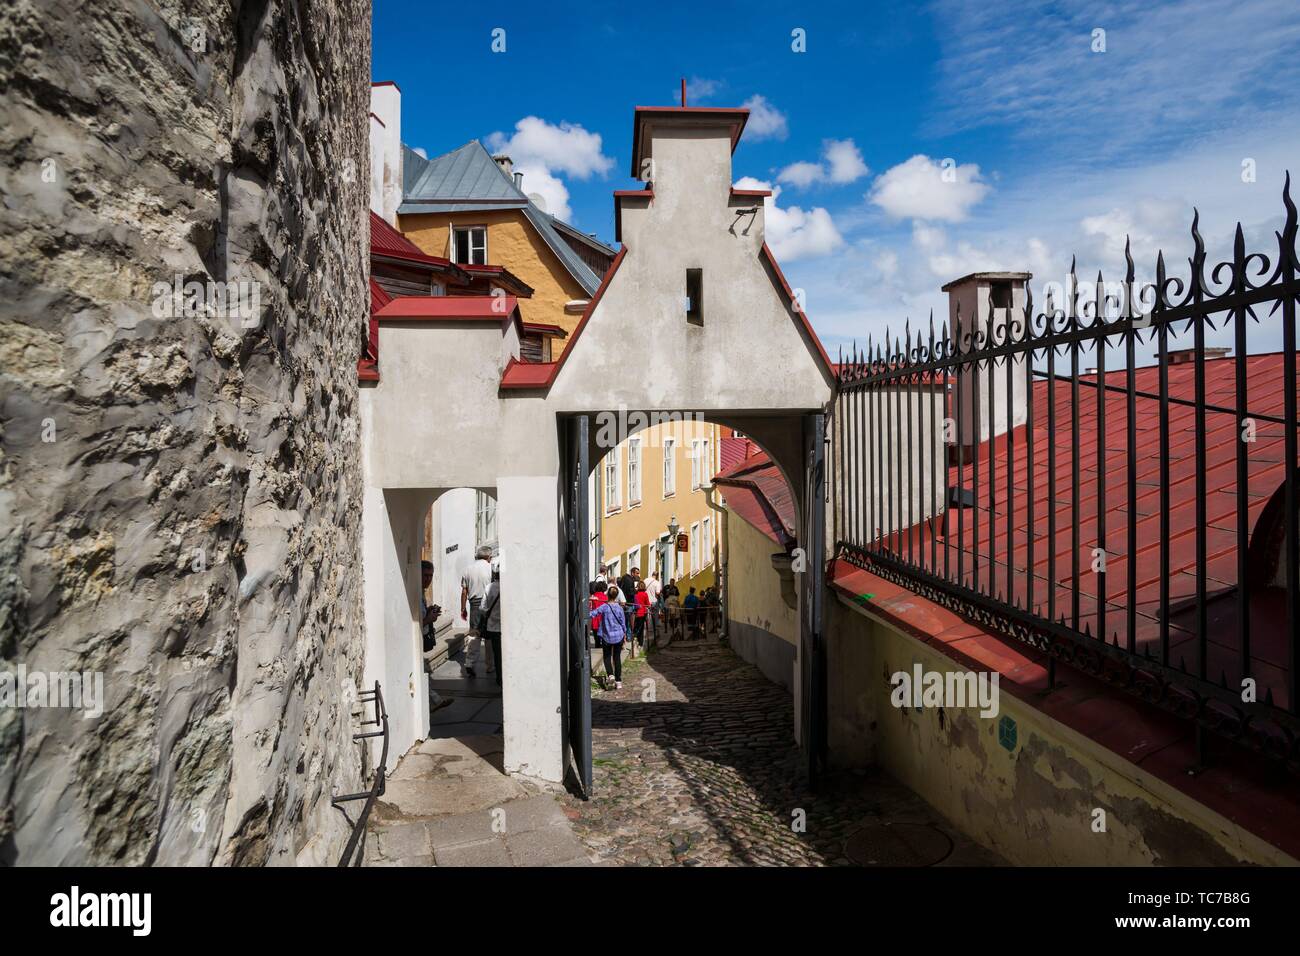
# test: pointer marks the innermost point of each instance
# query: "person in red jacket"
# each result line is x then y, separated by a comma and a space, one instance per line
597, 599
642, 611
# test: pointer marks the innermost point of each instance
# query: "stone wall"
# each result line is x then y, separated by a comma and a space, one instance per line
179, 494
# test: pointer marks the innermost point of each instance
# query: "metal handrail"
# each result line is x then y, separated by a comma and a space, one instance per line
376, 790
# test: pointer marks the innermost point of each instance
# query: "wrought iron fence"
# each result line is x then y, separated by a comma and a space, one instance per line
1139, 523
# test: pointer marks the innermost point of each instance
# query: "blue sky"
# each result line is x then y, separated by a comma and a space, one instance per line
1057, 139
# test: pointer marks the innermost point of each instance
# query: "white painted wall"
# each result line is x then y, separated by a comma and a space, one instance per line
898, 467
437, 420
453, 545
386, 151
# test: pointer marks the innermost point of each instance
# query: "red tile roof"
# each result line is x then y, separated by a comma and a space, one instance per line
387, 241
527, 374
1265, 395
755, 490
486, 308
733, 450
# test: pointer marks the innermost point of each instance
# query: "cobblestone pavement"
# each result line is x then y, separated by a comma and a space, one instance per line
695, 764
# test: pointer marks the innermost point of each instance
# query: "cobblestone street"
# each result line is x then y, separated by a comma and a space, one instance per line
695, 764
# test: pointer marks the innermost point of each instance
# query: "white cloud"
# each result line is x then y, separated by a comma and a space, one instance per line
1033, 66
791, 232
801, 174
697, 89
555, 195
842, 163
922, 188
765, 120
844, 160
566, 148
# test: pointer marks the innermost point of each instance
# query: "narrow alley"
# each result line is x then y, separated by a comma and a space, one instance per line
696, 765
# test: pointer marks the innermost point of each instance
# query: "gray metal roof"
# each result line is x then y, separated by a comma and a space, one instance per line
572, 261
468, 179
415, 208
468, 173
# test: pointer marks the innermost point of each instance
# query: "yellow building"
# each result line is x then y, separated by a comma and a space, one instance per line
661, 474
470, 207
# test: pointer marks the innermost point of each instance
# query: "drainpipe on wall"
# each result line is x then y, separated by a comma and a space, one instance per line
720, 550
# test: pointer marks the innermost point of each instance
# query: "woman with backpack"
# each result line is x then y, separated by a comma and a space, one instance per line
611, 625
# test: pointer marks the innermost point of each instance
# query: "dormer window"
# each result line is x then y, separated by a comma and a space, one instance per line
695, 296
469, 245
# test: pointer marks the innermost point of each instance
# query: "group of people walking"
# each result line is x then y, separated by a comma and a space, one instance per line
620, 611
480, 608
618, 616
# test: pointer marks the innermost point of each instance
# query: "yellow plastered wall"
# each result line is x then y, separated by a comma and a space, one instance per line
1034, 791
634, 525
755, 596
512, 242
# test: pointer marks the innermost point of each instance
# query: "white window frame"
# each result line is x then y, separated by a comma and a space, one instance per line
633, 558
485, 519
706, 465
612, 469
706, 541
695, 464
695, 547
612, 571
670, 467
633, 471
456, 231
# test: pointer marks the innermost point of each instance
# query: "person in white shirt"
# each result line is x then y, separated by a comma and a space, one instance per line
473, 589
492, 620
654, 587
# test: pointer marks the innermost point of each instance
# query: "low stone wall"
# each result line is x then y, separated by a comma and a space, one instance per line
1028, 787
179, 481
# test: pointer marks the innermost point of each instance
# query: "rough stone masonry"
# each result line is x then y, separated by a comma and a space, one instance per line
179, 477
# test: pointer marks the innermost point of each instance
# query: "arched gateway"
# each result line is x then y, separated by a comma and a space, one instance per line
693, 316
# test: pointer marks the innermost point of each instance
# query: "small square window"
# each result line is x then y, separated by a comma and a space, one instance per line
469, 246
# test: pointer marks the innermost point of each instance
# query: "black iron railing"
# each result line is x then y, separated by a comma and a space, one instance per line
1137, 522
352, 854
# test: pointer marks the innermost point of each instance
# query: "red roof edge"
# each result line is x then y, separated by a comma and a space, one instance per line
793, 304
738, 114
577, 332
757, 193
524, 375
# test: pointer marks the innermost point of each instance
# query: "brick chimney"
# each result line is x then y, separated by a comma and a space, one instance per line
506, 164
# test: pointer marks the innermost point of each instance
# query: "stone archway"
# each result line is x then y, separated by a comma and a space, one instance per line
742, 351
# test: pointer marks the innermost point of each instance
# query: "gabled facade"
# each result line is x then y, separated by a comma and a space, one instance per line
746, 358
